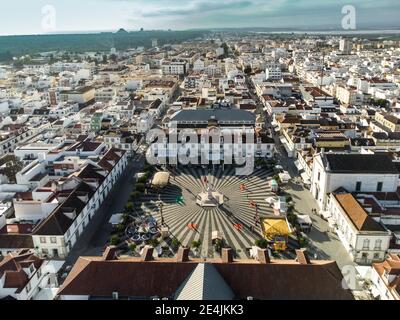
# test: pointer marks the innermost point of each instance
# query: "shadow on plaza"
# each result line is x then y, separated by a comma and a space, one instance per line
168, 195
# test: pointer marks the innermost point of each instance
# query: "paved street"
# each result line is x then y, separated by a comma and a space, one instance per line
97, 233
323, 243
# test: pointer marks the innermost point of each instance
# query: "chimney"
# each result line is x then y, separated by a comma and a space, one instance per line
110, 253
227, 255
183, 255
302, 257
263, 256
147, 254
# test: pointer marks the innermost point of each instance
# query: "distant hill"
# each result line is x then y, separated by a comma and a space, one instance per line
122, 31
11, 46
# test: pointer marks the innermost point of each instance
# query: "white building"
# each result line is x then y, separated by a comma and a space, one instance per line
57, 234
353, 172
364, 239
105, 95
273, 72
385, 278
345, 46
24, 276
175, 68
349, 95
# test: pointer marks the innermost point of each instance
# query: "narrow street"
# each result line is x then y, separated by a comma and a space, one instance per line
324, 244
94, 239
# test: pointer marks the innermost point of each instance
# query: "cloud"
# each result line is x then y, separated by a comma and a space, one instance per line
197, 7
251, 13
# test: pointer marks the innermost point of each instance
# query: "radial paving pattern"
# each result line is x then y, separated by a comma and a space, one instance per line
189, 183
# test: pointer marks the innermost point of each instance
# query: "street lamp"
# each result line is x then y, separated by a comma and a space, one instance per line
160, 206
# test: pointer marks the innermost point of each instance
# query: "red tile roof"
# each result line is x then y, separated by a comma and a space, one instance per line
161, 277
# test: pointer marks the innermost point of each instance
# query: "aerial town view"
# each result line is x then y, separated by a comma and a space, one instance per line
200, 150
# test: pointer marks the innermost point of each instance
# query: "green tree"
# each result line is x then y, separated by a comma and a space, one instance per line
135, 195
120, 228
262, 243
129, 207
218, 245
125, 218
132, 248
175, 243
140, 187
142, 180
114, 240
154, 242
196, 245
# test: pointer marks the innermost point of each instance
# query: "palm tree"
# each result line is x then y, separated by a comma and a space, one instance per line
196, 245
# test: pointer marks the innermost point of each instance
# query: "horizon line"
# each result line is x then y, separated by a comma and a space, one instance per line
305, 29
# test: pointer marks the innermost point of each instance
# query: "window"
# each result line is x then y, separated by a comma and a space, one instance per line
379, 186
28, 287
45, 251
319, 176
376, 256
31, 269
378, 244
358, 186
364, 256
42, 239
53, 240
366, 244
39, 273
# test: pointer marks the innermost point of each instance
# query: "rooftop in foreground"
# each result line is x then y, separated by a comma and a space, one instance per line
169, 277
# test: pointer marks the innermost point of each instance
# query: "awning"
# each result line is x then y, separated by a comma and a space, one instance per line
304, 219
116, 219
274, 183
275, 227
285, 177
161, 179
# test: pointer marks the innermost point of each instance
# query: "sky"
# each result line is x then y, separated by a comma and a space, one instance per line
49, 16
